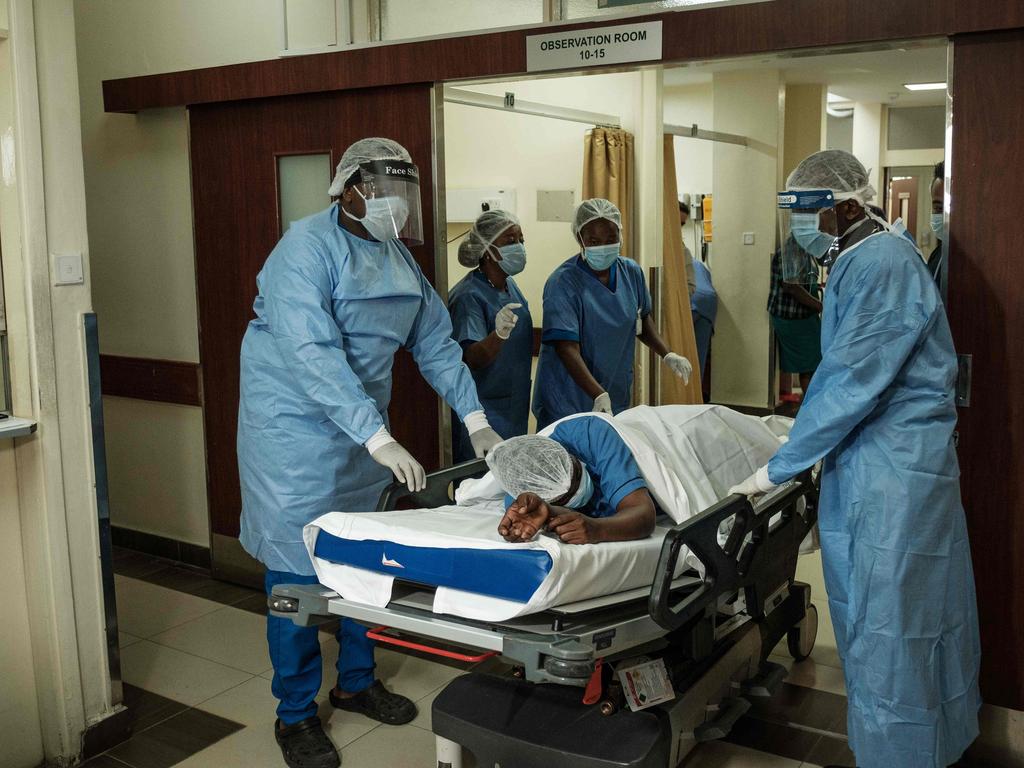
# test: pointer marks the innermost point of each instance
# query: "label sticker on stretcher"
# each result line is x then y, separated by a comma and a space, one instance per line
646, 683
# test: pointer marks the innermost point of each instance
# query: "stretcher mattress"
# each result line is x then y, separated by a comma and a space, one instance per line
689, 456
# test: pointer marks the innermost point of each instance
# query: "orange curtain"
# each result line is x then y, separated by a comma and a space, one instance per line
676, 320
608, 172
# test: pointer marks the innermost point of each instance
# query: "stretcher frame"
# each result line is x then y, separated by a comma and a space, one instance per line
714, 628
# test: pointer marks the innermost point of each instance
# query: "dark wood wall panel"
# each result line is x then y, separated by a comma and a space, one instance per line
696, 34
235, 206
162, 381
986, 311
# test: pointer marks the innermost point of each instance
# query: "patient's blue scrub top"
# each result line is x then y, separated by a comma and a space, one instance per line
609, 461
504, 385
604, 320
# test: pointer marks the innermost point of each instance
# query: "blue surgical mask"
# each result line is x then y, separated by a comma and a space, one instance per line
938, 223
584, 492
513, 258
804, 227
601, 257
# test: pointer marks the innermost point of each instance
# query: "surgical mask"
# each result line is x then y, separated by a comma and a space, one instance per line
804, 227
938, 223
385, 216
513, 258
584, 492
601, 257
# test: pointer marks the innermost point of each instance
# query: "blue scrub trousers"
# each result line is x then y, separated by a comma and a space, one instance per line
295, 654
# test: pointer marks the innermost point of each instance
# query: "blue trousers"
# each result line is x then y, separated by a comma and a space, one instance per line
295, 654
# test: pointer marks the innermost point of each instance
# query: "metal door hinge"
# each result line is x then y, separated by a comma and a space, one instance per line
963, 380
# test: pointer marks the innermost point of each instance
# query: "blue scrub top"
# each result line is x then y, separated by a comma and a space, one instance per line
503, 386
609, 461
604, 320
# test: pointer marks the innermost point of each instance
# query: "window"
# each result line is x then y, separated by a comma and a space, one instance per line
424, 18
302, 182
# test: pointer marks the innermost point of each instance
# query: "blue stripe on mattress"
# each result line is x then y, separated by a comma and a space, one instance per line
511, 574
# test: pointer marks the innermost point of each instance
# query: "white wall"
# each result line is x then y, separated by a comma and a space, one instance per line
745, 178
140, 227
867, 140
489, 148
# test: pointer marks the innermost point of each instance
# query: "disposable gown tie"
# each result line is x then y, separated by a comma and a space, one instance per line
880, 412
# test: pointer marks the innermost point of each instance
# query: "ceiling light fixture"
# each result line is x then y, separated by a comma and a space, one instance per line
925, 86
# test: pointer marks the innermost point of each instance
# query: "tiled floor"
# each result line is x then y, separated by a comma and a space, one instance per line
197, 680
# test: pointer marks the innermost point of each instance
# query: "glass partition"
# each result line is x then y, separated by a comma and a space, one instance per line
302, 182
423, 18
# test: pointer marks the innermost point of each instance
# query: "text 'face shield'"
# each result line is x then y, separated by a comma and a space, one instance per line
809, 231
391, 189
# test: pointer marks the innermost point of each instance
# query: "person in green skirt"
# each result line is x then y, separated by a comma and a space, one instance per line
795, 310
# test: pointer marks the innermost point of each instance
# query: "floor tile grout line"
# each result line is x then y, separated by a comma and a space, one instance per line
203, 658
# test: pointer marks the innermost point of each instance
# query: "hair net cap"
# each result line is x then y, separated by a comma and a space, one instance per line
471, 250
833, 169
365, 151
593, 209
532, 464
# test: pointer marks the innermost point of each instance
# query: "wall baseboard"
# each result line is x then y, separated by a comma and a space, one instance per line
161, 546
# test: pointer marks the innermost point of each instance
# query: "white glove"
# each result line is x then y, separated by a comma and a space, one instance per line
481, 436
506, 320
756, 484
603, 404
387, 452
680, 366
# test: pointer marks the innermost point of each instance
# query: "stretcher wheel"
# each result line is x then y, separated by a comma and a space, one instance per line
801, 637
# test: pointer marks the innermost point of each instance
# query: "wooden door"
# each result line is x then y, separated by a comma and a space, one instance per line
235, 152
903, 202
986, 312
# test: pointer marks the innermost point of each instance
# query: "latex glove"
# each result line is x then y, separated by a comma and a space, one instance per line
755, 485
680, 366
484, 441
387, 452
603, 404
481, 436
506, 319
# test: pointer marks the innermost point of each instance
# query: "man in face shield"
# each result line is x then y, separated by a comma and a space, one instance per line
880, 413
337, 297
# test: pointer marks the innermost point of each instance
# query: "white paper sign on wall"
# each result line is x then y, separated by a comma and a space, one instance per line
620, 44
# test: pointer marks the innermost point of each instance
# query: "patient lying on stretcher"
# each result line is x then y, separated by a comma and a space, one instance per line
581, 484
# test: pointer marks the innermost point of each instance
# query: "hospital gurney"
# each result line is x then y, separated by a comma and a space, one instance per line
713, 632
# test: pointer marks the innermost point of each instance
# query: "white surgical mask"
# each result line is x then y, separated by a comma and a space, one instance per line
938, 223
385, 216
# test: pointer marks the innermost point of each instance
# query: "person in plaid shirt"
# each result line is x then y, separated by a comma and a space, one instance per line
795, 310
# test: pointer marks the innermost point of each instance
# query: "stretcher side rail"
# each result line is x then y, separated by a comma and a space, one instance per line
439, 490
757, 559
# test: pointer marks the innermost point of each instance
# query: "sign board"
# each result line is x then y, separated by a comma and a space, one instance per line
600, 46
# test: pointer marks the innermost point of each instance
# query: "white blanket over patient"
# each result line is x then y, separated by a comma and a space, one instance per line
689, 455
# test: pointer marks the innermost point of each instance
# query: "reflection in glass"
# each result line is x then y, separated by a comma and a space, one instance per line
302, 182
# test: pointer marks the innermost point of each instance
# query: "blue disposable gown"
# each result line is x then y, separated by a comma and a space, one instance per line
331, 312
604, 320
704, 308
504, 385
880, 412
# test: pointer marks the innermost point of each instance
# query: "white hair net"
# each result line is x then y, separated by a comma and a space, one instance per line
471, 250
836, 170
486, 229
532, 464
365, 151
593, 209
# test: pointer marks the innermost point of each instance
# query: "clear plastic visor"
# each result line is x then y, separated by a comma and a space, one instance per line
391, 189
808, 234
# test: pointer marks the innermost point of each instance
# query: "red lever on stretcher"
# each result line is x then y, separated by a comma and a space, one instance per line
377, 633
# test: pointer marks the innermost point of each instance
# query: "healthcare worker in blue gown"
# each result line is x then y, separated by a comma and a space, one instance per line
337, 297
596, 305
492, 324
880, 413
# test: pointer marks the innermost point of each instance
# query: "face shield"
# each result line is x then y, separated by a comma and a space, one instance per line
809, 233
391, 191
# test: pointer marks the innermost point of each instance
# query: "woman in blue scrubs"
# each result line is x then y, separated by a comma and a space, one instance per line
491, 322
595, 305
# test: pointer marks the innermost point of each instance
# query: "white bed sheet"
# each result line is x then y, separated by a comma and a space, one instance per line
689, 456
